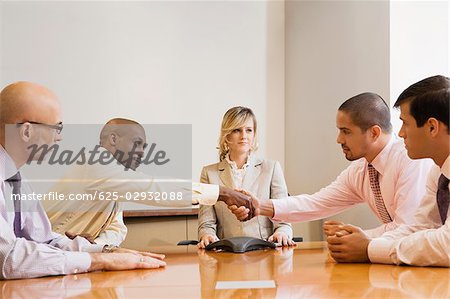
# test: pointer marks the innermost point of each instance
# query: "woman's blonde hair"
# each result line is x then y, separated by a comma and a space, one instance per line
235, 118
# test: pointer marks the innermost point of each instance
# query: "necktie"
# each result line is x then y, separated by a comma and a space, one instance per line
379, 202
443, 197
15, 180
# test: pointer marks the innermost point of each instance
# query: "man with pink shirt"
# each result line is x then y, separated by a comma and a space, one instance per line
424, 108
380, 175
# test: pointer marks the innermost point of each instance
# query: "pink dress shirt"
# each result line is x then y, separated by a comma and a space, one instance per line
424, 243
402, 184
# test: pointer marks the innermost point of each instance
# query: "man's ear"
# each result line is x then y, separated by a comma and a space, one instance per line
434, 126
26, 131
113, 139
375, 132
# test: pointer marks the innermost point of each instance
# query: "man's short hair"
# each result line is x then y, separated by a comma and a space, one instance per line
368, 109
428, 98
426, 85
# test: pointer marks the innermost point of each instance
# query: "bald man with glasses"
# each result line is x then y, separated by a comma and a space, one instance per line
28, 247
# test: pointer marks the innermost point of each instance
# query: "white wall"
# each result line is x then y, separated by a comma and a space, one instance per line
419, 43
334, 50
156, 62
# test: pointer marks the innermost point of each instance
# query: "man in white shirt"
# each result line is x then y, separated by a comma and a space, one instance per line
424, 108
381, 174
30, 115
101, 221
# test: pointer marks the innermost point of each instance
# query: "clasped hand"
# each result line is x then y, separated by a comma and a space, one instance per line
245, 212
346, 243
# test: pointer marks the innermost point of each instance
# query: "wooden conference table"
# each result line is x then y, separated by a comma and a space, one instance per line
304, 272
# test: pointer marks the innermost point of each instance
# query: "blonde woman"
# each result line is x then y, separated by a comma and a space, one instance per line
239, 167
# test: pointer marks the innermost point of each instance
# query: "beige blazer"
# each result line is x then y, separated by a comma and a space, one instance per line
263, 178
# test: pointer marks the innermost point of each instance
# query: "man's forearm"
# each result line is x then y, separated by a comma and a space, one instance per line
232, 197
224, 194
97, 262
266, 208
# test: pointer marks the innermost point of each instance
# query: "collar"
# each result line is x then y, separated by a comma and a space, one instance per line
379, 163
234, 165
445, 169
253, 160
7, 165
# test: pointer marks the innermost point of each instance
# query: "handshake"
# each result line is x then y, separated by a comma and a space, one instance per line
242, 203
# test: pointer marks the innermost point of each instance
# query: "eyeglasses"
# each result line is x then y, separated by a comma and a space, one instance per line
58, 127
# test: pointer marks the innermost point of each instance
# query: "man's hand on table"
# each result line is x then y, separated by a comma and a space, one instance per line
126, 259
349, 245
331, 227
144, 253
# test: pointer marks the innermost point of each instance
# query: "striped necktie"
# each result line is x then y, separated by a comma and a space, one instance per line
379, 202
15, 180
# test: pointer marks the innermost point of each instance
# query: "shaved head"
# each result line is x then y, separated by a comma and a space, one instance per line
117, 125
28, 103
125, 139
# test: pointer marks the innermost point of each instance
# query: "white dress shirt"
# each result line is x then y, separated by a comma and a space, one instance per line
102, 220
114, 233
40, 252
401, 179
427, 241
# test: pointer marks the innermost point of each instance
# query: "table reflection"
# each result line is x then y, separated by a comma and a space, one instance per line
54, 287
255, 265
332, 280
412, 282
92, 285
298, 273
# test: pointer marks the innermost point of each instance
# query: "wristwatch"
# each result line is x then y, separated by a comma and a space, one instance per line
109, 248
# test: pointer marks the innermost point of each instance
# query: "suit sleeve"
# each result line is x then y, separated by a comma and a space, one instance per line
207, 220
114, 233
278, 189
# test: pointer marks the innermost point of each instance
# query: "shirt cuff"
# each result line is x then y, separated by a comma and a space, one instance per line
205, 194
93, 248
284, 228
379, 251
278, 208
77, 262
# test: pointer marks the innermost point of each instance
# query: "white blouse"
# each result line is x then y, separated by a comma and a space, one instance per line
237, 174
